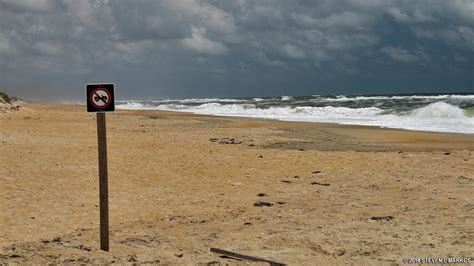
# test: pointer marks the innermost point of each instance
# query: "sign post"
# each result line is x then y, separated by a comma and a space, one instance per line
103, 182
100, 99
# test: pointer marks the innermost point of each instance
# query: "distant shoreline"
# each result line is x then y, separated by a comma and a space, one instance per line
260, 119
439, 112
287, 124
428, 112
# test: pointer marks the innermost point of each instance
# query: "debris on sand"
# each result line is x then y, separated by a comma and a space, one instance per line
263, 204
320, 184
382, 218
240, 257
225, 141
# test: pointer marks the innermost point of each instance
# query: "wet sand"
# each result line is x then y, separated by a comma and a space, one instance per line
179, 184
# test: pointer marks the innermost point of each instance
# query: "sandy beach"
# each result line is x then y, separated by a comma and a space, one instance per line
180, 184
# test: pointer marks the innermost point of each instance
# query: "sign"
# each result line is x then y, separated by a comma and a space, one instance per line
100, 97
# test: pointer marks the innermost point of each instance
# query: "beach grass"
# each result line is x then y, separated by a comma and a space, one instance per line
5, 97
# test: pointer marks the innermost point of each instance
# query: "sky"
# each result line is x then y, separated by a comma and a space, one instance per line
49, 49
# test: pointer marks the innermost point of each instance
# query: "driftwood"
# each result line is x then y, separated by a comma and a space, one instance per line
244, 257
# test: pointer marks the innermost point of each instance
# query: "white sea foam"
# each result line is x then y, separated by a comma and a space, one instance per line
210, 100
439, 110
286, 98
438, 116
164, 107
435, 97
343, 98
165, 101
135, 105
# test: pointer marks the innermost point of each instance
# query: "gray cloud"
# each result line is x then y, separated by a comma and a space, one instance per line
30, 5
189, 48
198, 42
399, 54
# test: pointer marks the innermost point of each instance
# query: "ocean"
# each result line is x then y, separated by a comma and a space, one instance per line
423, 112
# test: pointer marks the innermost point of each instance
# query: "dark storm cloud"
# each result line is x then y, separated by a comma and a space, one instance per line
188, 48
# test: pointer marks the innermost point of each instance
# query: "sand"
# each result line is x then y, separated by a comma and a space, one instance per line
180, 184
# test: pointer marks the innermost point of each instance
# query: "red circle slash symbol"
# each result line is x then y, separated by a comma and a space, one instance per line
100, 98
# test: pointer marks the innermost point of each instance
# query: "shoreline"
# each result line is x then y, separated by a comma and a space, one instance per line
443, 113
294, 121
270, 119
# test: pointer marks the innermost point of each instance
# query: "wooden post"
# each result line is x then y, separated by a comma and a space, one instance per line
103, 182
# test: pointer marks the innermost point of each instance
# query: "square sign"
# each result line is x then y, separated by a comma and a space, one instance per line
100, 97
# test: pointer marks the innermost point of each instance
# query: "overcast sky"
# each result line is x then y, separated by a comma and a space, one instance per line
190, 48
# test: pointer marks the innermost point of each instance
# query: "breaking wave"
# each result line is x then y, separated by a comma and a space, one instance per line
417, 114
343, 98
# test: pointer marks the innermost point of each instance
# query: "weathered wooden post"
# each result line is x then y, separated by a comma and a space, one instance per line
100, 99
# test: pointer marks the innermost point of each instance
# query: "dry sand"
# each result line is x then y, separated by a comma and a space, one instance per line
180, 184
